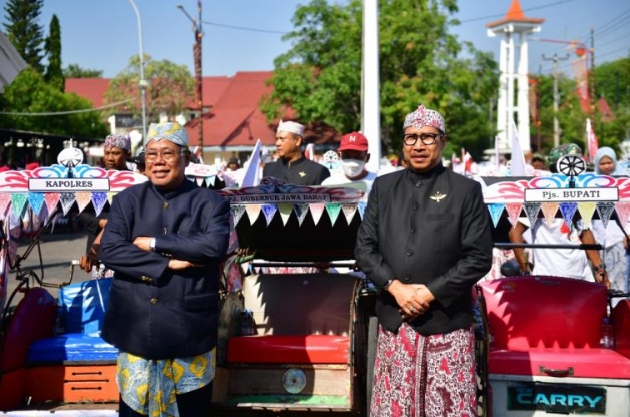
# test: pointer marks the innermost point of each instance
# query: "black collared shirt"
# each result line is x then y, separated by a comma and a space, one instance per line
300, 172
432, 229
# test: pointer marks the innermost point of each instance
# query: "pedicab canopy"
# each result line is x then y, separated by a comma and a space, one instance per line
287, 222
29, 198
585, 196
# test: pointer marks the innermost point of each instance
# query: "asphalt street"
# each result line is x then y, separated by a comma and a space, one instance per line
58, 250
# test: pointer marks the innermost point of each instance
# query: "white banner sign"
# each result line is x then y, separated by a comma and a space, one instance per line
541, 195
68, 184
278, 198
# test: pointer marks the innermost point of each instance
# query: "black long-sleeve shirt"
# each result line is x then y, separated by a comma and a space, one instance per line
432, 229
300, 172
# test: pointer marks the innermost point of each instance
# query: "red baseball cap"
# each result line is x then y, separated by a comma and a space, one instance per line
354, 141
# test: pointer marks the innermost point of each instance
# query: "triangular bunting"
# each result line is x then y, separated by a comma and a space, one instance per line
349, 210
237, 212
532, 210
568, 211
110, 196
586, 210
51, 200
605, 210
66, 200
5, 199
199, 181
36, 201
623, 212
496, 210
301, 210
549, 210
317, 209
18, 201
269, 210
285, 210
83, 198
333, 210
514, 212
210, 181
99, 199
362, 205
253, 211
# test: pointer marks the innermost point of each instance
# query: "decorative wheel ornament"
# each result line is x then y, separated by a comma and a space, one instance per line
571, 165
70, 157
294, 381
331, 156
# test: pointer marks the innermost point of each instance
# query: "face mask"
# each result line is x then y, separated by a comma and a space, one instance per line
352, 167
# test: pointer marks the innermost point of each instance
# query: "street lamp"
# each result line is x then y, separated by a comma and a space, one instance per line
198, 76
143, 83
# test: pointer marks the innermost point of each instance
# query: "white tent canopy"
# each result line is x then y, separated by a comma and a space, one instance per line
11, 63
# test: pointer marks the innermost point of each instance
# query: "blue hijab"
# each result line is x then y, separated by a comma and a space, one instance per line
609, 152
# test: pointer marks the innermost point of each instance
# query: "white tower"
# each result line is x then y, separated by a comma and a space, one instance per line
513, 31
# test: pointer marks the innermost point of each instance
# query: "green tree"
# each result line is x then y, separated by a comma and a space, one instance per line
54, 73
75, 71
170, 88
24, 32
611, 82
29, 93
420, 62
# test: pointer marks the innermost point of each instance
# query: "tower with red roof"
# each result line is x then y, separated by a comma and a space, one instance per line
513, 31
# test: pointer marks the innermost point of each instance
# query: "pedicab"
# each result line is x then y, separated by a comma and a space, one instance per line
293, 335
51, 355
542, 333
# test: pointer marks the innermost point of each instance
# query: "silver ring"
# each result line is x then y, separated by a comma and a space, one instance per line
413, 310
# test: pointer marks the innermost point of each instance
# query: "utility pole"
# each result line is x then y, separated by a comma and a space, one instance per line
592, 72
556, 99
198, 71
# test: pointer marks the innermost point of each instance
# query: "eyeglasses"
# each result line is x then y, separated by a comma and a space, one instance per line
168, 156
426, 138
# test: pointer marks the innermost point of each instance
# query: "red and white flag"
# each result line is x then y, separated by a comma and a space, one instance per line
591, 141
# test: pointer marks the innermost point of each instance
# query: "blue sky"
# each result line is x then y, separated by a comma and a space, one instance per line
103, 34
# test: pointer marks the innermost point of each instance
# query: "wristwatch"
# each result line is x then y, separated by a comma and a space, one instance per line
152, 244
387, 284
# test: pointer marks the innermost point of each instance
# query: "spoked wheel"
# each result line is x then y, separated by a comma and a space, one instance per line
571, 165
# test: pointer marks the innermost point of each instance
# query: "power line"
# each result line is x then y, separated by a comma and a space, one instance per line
249, 29
60, 113
476, 19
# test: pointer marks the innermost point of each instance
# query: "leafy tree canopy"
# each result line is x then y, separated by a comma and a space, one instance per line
54, 73
420, 62
29, 93
24, 32
170, 87
75, 71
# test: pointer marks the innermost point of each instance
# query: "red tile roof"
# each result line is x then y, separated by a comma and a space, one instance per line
516, 15
91, 88
235, 119
232, 116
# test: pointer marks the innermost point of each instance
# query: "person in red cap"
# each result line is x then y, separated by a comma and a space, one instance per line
353, 154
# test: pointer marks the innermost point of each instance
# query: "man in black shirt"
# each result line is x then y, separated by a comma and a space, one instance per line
425, 240
292, 166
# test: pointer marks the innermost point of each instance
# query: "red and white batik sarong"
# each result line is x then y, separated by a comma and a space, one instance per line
424, 376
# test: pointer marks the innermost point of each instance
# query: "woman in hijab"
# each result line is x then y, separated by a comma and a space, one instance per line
606, 162
612, 237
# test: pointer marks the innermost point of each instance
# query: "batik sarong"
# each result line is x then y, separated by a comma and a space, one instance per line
424, 376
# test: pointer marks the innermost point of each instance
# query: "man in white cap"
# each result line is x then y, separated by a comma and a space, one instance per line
292, 166
425, 241
165, 240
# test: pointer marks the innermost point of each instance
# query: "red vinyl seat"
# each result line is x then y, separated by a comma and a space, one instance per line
310, 349
549, 326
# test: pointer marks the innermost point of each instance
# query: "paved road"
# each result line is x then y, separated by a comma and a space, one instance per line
57, 252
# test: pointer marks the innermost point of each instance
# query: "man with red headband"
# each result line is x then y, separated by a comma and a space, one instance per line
425, 240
